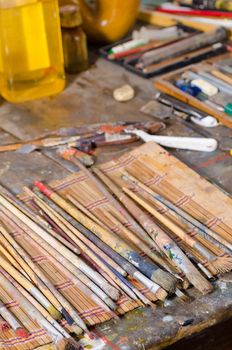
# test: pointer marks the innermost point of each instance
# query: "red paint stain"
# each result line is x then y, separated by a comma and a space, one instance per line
212, 161
106, 340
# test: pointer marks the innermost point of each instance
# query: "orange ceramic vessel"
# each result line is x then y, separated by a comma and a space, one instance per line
109, 20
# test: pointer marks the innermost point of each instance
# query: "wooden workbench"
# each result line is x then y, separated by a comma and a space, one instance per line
88, 99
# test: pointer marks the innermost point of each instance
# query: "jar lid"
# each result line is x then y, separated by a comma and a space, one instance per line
70, 16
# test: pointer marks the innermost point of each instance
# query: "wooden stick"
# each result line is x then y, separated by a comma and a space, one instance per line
221, 76
34, 313
50, 291
35, 292
40, 232
141, 216
168, 285
84, 210
135, 227
201, 228
51, 252
178, 231
85, 249
173, 251
129, 268
108, 237
78, 234
183, 46
182, 58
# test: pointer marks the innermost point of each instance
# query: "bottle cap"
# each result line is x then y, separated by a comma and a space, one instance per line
70, 16
228, 109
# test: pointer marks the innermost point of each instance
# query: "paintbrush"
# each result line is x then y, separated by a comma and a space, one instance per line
145, 171
90, 295
133, 224
183, 46
62, 340
39, 231
68, 226
128, 267
207, 233
139, 50
38, 144
153, 272
85, 248
34, 303
30, 287
216, 264
127, 234
190, 57
173, 251
79, 279
34, 272
141, 216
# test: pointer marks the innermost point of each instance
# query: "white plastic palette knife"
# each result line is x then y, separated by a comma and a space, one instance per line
187, 143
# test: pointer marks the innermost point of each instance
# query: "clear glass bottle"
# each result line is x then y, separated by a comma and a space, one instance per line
31, 55
74, 39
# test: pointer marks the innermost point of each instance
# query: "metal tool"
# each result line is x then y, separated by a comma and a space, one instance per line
197, 117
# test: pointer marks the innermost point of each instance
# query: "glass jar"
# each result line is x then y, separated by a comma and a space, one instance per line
74, 39
31, 55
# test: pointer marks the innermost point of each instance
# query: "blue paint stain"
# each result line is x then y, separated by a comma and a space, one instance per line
143, 265
171, 254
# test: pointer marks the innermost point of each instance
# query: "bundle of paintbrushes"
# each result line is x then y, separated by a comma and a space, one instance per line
153, 51
206, 86
61, 276
99, 243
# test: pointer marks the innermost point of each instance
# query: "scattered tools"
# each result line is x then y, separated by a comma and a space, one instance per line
195, 115
88, 137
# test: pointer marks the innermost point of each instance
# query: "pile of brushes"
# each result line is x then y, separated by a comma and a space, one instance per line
94, 246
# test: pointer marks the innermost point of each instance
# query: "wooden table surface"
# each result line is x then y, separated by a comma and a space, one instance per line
86, 100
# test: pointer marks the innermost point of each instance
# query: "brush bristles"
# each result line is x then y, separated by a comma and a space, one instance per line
183, 297
165, 280
220, 265
161, 294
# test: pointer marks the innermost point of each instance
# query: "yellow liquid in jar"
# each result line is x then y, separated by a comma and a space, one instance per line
31, 62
